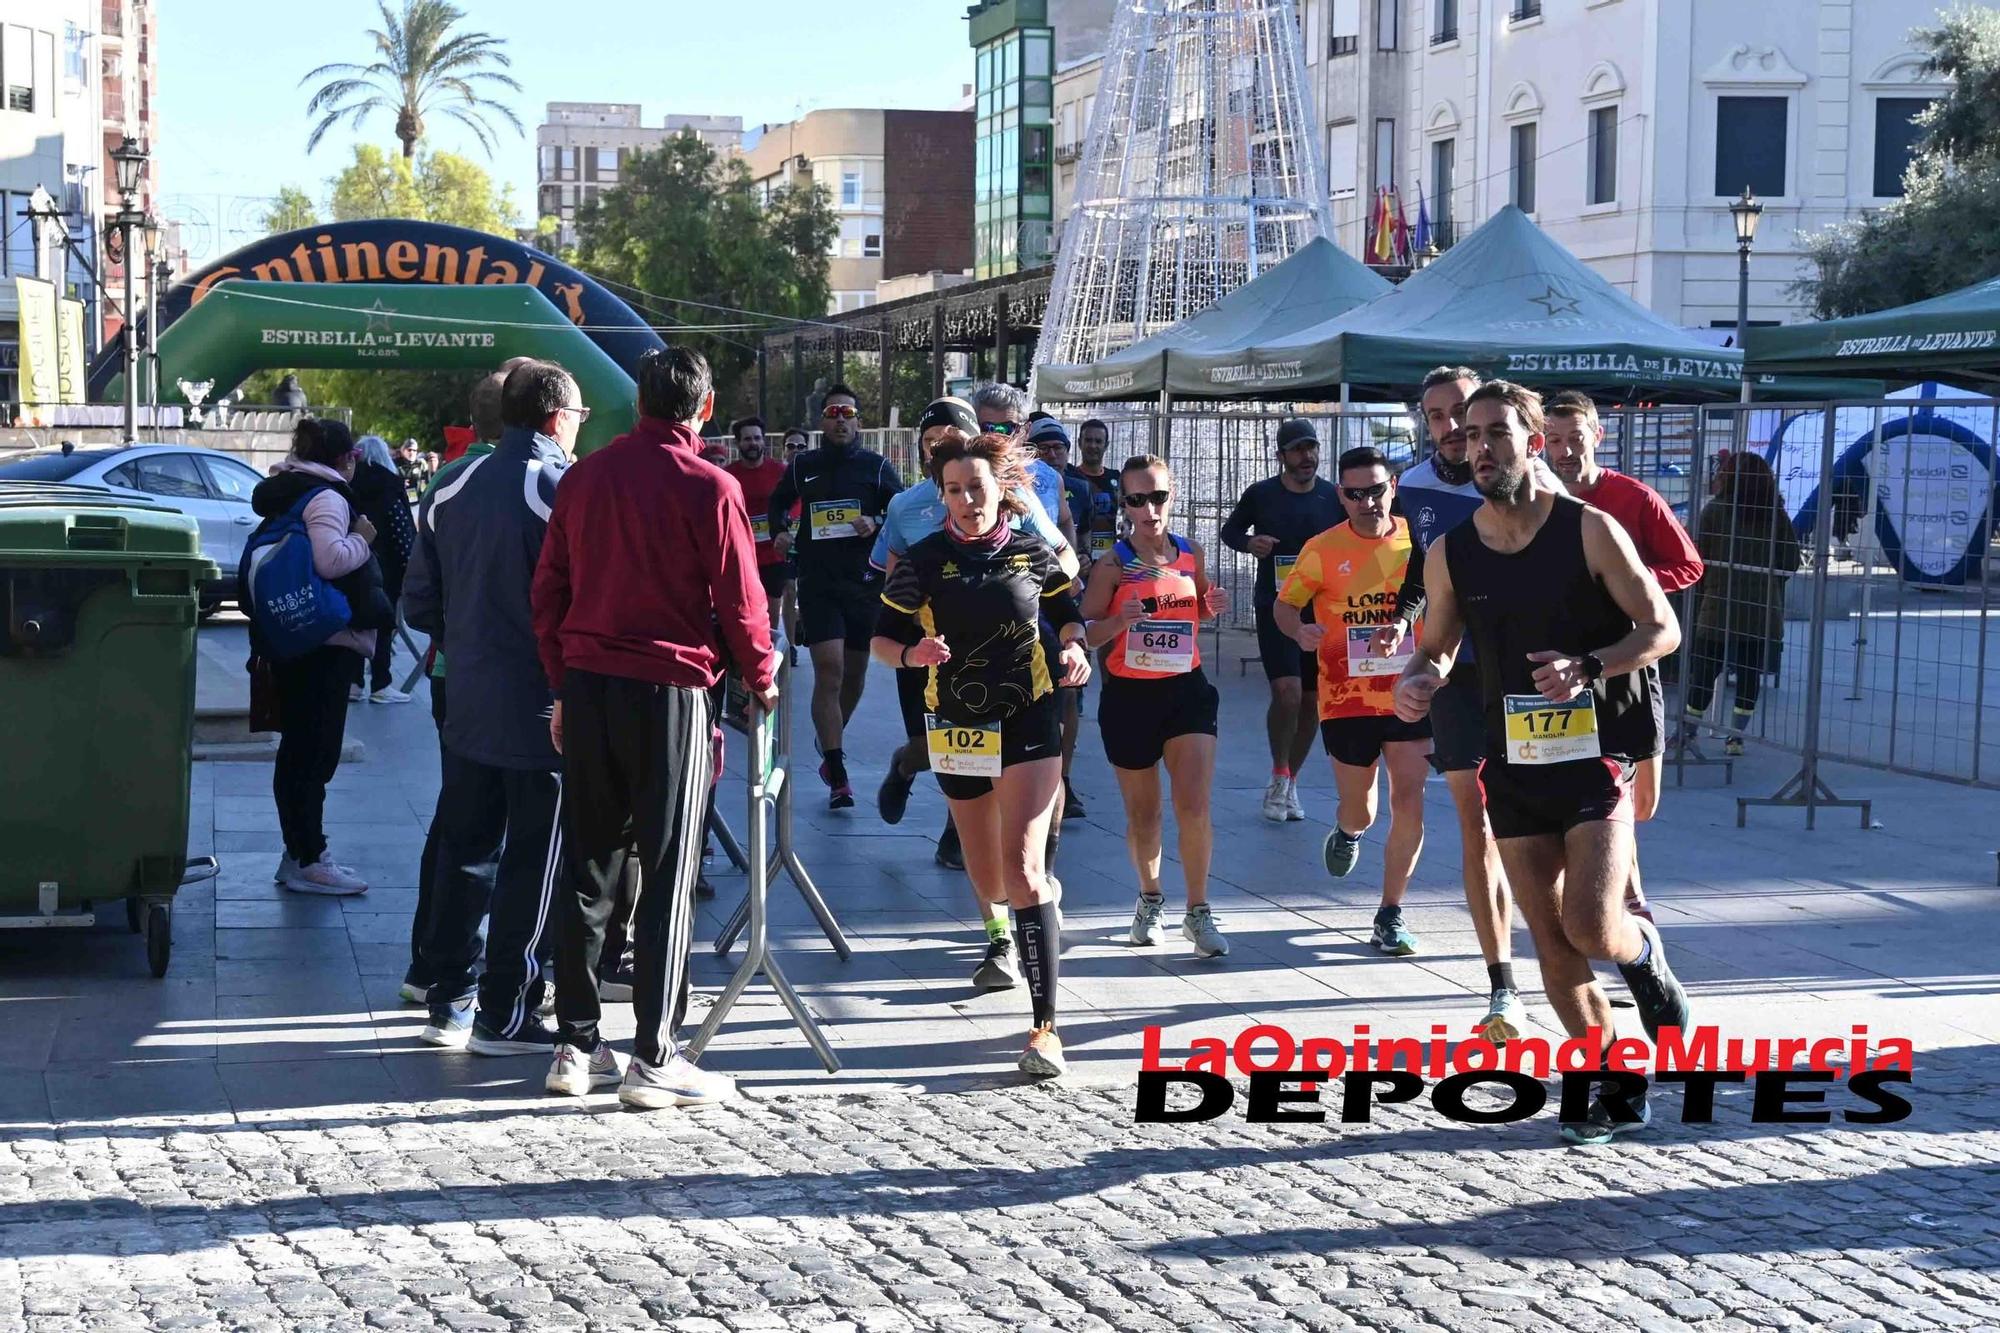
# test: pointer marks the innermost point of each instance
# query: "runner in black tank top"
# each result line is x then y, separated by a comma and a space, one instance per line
1564, 619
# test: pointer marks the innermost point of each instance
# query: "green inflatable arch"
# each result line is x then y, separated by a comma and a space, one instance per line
243, 327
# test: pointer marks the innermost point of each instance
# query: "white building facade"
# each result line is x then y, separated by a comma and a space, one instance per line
1624, 127
581, 148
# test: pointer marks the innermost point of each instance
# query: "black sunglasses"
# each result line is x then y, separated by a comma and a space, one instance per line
1140, 499
1000, 427
1363, 494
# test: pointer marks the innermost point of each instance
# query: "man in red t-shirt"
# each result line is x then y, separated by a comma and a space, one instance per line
1573, 433
758, 474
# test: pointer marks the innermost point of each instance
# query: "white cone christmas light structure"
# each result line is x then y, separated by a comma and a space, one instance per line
1200, 170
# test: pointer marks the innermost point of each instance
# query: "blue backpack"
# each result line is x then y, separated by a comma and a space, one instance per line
291, 608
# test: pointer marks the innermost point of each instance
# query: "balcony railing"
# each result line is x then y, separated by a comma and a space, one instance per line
1525, 10
1443, 35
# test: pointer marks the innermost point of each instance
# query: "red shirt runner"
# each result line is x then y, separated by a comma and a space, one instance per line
1662, 542
758, 480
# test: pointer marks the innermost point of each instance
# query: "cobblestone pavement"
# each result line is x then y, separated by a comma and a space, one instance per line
1041, 1208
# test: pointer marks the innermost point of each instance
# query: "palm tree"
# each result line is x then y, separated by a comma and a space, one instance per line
420, 66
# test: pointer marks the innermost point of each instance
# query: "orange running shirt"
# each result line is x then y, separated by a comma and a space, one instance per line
1350, 581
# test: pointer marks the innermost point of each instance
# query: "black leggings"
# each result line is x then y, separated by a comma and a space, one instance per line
312, 713
1743, 654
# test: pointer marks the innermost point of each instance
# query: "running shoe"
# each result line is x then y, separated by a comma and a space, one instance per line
531, 1039
1732, 746
1391, 936
1658, 993
892, 798
1276, 808
1146, 927
1342, 850
1294, 812
676, 1082
1199, 929
1599, 1127
1043, 1056
389, 694
576, 1072
325, 878
1072, 807
1505, 1017
839, 795
450, 1025
997, 971
949, 854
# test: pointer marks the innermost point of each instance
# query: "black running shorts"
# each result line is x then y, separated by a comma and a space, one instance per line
1458, 724
1138, 717
1534, 800
1358, 741
844, 609
1281, 655
1033, 733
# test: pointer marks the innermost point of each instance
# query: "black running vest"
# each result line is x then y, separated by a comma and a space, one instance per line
1544, 596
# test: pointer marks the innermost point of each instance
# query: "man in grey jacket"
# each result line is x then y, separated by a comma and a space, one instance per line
479, 536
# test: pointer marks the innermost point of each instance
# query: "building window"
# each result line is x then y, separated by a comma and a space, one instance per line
1343, 159
1524, 10
1344, 46
1750, 135
1385, 151
1521, 165
17, 65
850, 189
1444, 161
1385, 25
871, 245
1602, 187
1896, 137
1444, 22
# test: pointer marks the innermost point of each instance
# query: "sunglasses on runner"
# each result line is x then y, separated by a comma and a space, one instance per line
840, 413
1140, 499
1363, 494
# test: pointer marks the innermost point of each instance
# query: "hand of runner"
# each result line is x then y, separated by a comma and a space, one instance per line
928, 652
864, 526
1216, 604
1388, 639
1413, 695
767, 701
1261, 547
1075, 664
1560, 678
1132, 612
1310, 636
782, 543
555, 726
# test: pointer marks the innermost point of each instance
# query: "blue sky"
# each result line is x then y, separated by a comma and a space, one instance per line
233, 123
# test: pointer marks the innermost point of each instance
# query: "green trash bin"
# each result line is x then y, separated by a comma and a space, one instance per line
101, 598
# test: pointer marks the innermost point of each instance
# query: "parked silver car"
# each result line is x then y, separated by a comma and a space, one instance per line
211, 487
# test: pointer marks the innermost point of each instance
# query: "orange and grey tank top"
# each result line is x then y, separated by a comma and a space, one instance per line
1164, 644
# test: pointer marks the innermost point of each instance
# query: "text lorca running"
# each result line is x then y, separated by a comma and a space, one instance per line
1792, 1077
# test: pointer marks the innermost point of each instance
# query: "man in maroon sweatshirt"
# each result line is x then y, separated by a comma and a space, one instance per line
646, 590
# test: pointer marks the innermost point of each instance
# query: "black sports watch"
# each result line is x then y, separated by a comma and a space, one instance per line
1593, 666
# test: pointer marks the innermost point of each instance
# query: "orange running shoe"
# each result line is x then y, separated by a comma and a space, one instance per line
1043, 1057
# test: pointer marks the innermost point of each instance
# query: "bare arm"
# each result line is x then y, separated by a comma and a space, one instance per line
1099, 625
1437, 643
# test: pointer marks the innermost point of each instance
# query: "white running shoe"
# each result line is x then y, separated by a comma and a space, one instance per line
678, 1082
1294, 812
389, 694
575, 1074
1199, 929
324, 877
1277, 808
1146, 927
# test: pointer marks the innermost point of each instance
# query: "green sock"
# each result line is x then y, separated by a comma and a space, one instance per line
996, 927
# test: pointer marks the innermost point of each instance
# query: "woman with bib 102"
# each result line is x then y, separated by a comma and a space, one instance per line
1147, 602
987, 612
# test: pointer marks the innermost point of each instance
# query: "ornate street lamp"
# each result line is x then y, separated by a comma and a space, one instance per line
1744, 213
129, 160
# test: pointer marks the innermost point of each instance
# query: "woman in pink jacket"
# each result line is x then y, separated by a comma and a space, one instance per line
312, 689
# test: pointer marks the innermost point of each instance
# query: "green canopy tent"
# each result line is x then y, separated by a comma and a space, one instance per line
1954, 337
1314, 284
240, 327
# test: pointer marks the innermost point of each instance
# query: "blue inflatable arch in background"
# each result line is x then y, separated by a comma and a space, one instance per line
394, 250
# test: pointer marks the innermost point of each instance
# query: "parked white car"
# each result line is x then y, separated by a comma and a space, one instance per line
211, 487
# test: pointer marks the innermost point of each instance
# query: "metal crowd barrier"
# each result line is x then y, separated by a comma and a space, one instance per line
769, 851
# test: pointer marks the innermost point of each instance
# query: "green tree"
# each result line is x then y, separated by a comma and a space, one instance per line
687, 226
1940, 235
292, 209
436, 187
421, 66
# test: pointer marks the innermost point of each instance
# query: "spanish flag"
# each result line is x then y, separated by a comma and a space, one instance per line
1382, 249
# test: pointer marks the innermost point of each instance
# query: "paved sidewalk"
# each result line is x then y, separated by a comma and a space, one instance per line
259, 1140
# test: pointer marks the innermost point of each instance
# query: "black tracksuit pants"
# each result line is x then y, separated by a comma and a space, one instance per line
638, 762
312, 723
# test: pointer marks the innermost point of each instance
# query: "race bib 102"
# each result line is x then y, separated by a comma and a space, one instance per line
963, 750
1539, 732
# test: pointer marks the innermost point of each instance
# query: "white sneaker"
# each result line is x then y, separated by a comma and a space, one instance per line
1146, 927
1293, 810
678, 1082
354, 695
324, 877
1200, 930
1276, 808
389, 694
575, 1074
